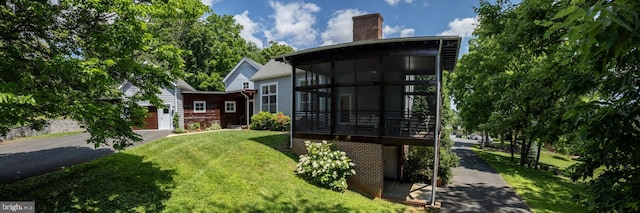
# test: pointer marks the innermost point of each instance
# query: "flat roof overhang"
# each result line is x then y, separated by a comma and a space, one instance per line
411, 46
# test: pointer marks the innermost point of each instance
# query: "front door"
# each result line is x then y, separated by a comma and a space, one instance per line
164, 117
390, 162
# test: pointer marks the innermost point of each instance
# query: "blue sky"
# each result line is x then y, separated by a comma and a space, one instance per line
308, 24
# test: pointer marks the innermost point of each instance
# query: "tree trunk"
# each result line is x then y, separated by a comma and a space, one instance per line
538, 154
524, 151
512, 142
481, 143
504, 136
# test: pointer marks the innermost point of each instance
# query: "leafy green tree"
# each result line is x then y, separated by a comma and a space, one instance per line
264, 55
68, 59
603, 37
212, 47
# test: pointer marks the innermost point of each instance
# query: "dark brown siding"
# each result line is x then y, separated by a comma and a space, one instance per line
215, 110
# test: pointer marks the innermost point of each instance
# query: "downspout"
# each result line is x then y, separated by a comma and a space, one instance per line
175, 105
293, 96
246, 106
436, 149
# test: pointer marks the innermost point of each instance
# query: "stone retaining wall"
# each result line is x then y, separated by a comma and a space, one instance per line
369, 177
55, 126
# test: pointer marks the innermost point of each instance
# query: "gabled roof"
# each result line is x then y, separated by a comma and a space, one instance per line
179, 83
184, 85
273, 69
254, 64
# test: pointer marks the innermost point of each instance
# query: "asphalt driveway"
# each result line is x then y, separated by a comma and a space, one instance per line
26, 158
476, 186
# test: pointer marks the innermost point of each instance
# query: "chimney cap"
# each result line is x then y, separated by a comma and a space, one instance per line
367, 16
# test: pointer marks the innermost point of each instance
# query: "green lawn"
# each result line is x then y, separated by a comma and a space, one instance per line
543, 191
226, 171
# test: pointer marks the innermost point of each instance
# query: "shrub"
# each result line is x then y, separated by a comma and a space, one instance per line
194, 126
179, 131
176, 120
214, 126
280, 122
261, 121
325, 167
267, 121
419, 162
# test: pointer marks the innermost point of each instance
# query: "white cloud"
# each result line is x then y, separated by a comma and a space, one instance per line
407, 32
249, 28
395, 2
392, 2
293, 22
425, 3
339, 27
461, 27
397, 31
388, 31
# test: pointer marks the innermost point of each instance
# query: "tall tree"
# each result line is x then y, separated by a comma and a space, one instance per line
212, 47
604, 37
264, 55
68, 59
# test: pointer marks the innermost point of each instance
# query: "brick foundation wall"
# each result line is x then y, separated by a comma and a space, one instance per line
369, 177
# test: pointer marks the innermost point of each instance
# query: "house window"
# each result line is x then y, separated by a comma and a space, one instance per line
269, 97
245, 85
199, 106
230, 106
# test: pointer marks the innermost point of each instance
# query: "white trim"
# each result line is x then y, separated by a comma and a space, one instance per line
226, 110
248, 85
195, 110
274, 94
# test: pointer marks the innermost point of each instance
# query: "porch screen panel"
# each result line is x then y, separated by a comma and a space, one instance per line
367, 111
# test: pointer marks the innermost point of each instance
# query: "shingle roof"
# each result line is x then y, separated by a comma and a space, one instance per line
184, 85
273, 69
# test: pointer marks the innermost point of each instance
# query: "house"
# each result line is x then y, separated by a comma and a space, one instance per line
240, 76
230, 108
366, 93
161, 118
273, 82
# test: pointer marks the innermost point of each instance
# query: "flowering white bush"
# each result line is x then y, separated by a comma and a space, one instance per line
324, 166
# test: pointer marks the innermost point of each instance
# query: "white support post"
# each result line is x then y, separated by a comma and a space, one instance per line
436, 144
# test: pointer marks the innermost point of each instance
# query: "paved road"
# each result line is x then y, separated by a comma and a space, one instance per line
476, 187
26, 158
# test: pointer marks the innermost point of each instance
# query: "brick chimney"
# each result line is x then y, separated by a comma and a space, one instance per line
367, 27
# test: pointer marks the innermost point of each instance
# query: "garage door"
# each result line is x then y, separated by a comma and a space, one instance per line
151, 122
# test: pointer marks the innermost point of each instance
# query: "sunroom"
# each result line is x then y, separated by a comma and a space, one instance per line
378, 91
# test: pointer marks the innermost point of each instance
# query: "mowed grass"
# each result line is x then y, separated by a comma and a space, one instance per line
542, 190
225, 171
